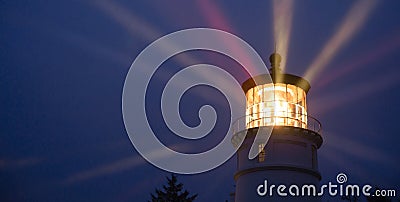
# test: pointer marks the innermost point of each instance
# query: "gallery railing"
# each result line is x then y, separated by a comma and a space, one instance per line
276, 119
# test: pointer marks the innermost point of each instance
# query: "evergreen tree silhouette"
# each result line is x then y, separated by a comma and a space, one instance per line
172, 192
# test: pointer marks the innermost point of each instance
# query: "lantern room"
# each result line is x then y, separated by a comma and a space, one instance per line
277, 102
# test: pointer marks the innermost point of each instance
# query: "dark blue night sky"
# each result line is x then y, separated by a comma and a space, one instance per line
63, 65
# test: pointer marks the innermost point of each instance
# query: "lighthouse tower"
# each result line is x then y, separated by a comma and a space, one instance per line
289, 157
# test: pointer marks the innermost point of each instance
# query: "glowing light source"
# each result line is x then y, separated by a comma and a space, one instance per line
276, 105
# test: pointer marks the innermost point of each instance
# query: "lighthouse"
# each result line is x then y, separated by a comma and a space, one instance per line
288, 159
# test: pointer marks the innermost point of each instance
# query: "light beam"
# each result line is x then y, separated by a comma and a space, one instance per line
352, 23
216, 19
136, 26
361, 90
383, 48
282, 16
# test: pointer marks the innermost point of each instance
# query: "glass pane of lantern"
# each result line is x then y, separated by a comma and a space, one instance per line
268, 92
250, 97
276, 104
280, 91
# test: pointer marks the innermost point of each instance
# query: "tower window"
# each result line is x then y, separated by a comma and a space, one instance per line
261, 153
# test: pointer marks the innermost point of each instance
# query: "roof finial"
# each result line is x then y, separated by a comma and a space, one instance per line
275, 60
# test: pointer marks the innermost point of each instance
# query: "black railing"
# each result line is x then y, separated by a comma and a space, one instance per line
267, 119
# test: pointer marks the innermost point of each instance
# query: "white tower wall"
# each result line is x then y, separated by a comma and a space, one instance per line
290, 158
